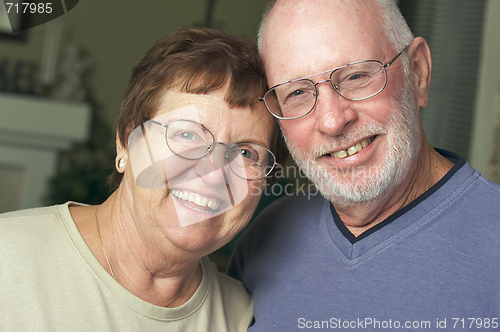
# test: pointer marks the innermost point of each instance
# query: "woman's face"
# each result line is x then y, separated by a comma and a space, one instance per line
197, 203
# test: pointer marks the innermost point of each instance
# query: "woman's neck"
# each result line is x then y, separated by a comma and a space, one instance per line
150, 268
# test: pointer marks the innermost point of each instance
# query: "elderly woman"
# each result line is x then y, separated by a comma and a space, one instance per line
193, 150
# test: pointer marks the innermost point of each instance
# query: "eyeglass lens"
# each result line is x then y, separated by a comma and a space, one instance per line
250, 160
354, 82
188, 139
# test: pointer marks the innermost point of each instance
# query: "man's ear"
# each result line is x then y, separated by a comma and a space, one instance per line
419, 55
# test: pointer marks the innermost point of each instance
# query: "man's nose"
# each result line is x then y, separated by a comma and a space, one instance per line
333, 112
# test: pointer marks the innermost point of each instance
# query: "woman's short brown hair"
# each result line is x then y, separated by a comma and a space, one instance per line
194, 60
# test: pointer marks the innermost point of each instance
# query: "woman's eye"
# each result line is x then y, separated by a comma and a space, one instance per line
187, 136
247, 154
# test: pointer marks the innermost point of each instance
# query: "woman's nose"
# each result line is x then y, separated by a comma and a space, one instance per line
213, 168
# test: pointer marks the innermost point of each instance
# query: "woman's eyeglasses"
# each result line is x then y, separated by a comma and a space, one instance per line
191, 140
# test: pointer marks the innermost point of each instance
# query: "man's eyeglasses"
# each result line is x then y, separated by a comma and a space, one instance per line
191, 140
355, 81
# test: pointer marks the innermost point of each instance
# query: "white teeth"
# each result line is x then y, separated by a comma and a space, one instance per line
198, 200
353, 149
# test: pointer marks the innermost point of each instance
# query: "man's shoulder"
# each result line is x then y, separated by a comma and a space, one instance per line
466, 181
491, 186
282, 224
289, 208
483, 197
302, 201
286, 213
479, 187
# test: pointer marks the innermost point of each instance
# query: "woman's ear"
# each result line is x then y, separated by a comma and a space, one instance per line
419, 55
121, 156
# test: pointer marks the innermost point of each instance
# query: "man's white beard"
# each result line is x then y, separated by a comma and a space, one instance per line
350, 187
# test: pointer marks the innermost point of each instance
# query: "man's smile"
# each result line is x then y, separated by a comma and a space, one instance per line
355, 148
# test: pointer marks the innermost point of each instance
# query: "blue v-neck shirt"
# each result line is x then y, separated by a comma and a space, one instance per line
432, 265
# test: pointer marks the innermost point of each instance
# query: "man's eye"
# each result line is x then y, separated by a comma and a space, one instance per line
356, 80
355, 77
296, 93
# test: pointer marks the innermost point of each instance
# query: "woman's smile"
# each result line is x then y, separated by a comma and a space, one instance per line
198, 202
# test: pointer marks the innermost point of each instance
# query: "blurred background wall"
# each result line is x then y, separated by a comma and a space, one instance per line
116, 34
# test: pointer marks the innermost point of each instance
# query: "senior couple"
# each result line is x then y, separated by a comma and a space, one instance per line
410, 235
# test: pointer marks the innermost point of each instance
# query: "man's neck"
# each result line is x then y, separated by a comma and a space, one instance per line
428, 170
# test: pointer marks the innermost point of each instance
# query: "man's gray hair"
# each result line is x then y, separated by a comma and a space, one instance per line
260, 32
397, 31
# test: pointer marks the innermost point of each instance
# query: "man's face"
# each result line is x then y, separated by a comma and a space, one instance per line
379, 135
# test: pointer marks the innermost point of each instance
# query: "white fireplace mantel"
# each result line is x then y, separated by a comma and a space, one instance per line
32, 133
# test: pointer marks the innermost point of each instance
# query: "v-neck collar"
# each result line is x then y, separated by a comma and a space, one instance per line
408, 218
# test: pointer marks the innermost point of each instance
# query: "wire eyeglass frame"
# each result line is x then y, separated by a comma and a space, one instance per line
271, 92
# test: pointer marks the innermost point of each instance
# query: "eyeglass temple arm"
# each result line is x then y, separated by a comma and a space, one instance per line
397, 56
158, 123
147, 144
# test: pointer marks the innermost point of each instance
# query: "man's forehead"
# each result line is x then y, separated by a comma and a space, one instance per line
334, 9
300, 39
292, 20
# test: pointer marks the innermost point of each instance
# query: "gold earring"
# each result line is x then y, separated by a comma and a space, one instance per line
121, 162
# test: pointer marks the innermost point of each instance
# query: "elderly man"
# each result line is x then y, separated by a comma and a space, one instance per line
405, 236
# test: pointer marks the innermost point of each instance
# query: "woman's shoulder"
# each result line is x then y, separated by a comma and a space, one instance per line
234, 299
38, 212
230, 288
32, 236
29, 213
35, 222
